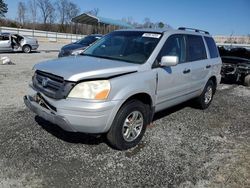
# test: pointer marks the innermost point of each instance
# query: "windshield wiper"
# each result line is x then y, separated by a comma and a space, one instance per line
99, 56
111, 58
83, 54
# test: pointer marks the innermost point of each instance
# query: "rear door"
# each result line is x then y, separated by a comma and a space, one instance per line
198, 61
215, 60
5, 43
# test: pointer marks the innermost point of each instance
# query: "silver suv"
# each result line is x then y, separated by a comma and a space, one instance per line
118, 83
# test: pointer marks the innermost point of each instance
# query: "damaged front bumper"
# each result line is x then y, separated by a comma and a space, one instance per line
47, 114
73, 115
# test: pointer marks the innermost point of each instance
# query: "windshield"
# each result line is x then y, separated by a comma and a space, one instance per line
129, 46
87, 40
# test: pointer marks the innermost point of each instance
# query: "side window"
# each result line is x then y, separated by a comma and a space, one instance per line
195, 48
174, 46
4, 38
213, 51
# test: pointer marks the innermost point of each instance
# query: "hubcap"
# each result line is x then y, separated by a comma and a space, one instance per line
208, 94
132, 126
27, 49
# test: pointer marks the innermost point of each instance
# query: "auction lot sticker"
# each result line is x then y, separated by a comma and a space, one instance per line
151, 35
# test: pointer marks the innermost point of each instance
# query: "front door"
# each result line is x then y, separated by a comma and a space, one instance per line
174, 83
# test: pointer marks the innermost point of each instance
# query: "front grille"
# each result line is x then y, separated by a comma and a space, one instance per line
51, 85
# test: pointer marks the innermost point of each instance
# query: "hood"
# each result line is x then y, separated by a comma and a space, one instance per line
76, 68
73, 46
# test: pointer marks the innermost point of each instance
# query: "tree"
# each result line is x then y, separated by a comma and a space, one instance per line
129, 20
33, 10
47, 10
94, 12
52, 15
67, 10
72, 11
62, 6
3, 8
21, 12
161, 25
147, 23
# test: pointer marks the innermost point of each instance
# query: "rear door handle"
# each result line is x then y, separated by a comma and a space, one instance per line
208, 66
186, 71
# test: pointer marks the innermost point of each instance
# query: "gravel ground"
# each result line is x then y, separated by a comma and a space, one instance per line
185, 147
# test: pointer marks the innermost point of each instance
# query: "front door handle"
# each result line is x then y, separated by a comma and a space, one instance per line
208, 66
186, 71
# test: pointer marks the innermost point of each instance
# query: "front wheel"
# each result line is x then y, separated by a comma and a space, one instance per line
206, 97
26, 49
129, 125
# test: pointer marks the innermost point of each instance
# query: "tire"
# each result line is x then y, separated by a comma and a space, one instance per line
247, 80
26, 49
206, 97
129, 125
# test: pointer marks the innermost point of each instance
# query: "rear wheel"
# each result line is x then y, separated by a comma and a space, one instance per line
205, 99
129, 125
26, 49
247, 80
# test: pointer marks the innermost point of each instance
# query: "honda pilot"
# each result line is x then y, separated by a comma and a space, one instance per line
117, 84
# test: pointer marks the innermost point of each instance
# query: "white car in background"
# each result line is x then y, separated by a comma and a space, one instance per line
14, 42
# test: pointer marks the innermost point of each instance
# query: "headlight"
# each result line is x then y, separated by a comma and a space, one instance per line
97, 90
77, 52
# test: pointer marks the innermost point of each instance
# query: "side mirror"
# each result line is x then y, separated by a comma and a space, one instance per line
167, 61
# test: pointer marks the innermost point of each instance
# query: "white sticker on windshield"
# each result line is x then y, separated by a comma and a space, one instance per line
152, 35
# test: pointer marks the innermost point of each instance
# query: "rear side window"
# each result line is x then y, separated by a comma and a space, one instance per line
195, 48
3, 37
213, 51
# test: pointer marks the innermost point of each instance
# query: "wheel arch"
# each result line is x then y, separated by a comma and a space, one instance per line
146, 99
141, 96
214, 80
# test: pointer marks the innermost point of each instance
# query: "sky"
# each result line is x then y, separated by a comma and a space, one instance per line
219, 17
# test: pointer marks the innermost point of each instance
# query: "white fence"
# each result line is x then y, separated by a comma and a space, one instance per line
50, 36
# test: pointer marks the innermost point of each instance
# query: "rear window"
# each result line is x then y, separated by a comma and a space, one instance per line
195, 48
213, 51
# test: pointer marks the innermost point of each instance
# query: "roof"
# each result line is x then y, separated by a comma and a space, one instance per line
5, 33
150, 30
168, 30
94, 20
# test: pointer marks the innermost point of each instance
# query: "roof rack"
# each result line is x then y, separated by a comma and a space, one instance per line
192, 29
